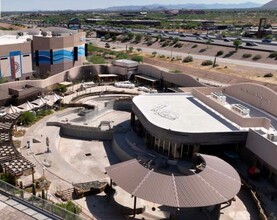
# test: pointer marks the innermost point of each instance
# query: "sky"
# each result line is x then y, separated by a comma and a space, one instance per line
23, 5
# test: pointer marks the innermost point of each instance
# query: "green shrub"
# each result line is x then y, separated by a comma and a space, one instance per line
122, 55
137, 58
149, 43
257, 57
162, 56
273, 55
154, 53
188, 59
202, 50
178, 45
96, 59
165, 44
27, 118
207, 63
246, 55
194, 46
70, 206
268, 75
219, 53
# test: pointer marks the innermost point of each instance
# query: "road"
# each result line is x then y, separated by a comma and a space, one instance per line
195, 56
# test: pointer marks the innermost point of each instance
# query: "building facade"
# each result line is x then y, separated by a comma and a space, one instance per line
16, 61
54, 54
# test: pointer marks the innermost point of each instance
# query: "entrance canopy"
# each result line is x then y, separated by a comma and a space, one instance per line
217, 183
147, 78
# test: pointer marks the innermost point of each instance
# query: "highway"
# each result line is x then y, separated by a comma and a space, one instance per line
170, 53
192, 38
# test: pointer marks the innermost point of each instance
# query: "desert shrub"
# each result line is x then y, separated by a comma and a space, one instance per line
257, 57
178, 45
162, 56
202, 50
154, 53
273, 55
149, 43
207, 63
268, 75
194, 46
188, 59
219, 53
247, 55
165, 44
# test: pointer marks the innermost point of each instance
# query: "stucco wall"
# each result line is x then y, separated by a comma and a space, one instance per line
256, 95
82, 132
263, 148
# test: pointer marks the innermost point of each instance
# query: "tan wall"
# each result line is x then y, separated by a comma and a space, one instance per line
234, 117
176, 78
47, 43
23, 47
256, 95
263, 148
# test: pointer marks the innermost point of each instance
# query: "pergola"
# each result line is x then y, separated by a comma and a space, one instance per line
217, 183
11, 160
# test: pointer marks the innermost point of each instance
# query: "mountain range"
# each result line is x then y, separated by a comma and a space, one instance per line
270, 5
156, 7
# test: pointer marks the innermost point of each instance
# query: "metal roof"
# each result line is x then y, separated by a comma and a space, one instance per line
216, 184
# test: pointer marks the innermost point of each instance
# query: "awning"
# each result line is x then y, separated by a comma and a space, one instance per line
65, 83
146, 78
107, 75
216, 184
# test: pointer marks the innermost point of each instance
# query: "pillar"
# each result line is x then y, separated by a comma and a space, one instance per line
135, 205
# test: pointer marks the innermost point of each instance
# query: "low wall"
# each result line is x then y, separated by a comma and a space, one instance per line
119, 152
234, 117
179, 79
82, 132
256, 95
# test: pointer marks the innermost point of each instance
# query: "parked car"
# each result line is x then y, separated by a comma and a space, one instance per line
226, 40
266, 40
251, 44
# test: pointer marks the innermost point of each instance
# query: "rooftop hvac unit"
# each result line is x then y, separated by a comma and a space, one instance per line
272, 136
242, 110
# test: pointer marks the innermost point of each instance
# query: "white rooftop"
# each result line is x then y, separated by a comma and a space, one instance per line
14, 39
125, 63
181, 113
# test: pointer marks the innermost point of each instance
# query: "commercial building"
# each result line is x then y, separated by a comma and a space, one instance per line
42, 52
56, 53
238, 120
15, 58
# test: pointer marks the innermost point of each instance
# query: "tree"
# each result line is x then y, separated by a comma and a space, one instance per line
131, 49
237, 44
138, 38
130, 35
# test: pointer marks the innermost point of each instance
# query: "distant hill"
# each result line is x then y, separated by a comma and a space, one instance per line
270, 5
156, 7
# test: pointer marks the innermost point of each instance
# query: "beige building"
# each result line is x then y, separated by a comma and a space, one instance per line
15, 58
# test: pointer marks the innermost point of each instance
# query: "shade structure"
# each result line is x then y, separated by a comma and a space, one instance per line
51, 99
12, 109
27, 106
39, 102
217, 183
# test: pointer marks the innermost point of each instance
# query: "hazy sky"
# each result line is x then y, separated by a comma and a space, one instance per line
10, 5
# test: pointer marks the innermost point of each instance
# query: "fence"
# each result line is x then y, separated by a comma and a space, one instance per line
41, 204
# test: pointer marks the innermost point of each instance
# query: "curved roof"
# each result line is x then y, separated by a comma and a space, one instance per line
216, 184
